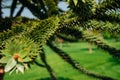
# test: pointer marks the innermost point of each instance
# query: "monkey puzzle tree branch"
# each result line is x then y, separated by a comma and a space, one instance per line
73, 31
43, 58
34, 9
16, 26
42, 4
107, 5
95, 25
112, 17
92, 38
20, 11
38, 64
74, 64
112, 27
68, 38
52, 7
13, 6
103, 26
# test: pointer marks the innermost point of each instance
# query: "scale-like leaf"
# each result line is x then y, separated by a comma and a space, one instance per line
75, 2
5, 59
10, 64
27, 59
20, 68
12, 71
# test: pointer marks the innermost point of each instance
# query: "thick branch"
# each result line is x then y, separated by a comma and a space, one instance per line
68, 38
103, 26
43, 58
38, 64
20, 11
111, 17
13, 6
34, 9
43, 6
91, 38
71, 31
107, 5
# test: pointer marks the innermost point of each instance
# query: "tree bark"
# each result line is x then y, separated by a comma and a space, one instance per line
90, 48
20, 11
0, 9
36, 11
13, 6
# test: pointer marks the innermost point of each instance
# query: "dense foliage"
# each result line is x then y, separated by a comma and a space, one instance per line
23, 39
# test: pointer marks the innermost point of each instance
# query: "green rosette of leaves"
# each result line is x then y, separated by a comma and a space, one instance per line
18, 52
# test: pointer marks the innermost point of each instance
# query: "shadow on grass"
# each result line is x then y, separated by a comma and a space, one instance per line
115, 61
59, 78
86, 49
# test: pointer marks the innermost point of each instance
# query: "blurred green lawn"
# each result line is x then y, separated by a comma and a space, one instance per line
99, 61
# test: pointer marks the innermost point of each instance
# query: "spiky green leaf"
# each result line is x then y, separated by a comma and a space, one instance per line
10, 64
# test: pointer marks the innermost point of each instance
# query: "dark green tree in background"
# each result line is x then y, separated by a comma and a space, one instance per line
22, 39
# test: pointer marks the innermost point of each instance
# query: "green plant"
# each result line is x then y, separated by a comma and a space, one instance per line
83, 16
18, 52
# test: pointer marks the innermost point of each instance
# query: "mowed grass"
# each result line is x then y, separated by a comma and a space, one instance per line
98, 61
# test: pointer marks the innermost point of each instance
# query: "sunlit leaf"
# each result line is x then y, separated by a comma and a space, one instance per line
12, 70
5, 59
20, 68
10, 64
20, 59
26, 66
83, 1
27, 59
75, 2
